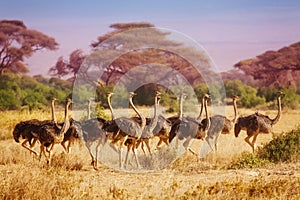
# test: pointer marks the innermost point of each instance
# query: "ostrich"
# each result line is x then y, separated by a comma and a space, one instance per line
49, 134
126, 130
53, 110
162, 131
92, 131
109, 95
164, 125
173, 119
189, 128
166, 133
25, 129
73, 133
150, 128
257, 123
220, 124
176, 120
191, 124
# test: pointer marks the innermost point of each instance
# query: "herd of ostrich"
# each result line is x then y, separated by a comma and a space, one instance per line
134, 132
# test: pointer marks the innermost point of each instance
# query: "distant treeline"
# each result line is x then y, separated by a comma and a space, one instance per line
19, 92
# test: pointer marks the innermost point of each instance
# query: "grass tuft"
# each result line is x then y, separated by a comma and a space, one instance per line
247, 160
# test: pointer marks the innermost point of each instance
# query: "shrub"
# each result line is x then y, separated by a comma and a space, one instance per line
17, 91
34, 100
99, 112
248, 94
8, 100
285, 147
248, 160
214, 90
291, 99
269, 94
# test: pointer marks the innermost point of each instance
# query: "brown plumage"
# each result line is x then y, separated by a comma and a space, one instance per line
51, 134
189, 128
154, 126
26, 129
257, 123
122, 129
73, 133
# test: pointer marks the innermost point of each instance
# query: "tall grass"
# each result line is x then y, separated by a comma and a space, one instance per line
71, 176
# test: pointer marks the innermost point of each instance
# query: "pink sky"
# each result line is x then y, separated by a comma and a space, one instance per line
230, 31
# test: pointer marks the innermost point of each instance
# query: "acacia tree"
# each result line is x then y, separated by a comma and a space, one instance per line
71, 66
135, 58
147, 51
68, 67
275, 68
165, 58
18, 42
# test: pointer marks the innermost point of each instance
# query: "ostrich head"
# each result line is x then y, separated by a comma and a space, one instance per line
280, 94
109, 94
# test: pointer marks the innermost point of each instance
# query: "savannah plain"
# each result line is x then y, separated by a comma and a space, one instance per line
71, 176
231, 173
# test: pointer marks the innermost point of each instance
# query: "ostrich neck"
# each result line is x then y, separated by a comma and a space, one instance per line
89, 110
207, 117
180, 114
53, 112
201, 110
154, 121
138, 113
110, 108
276, 119
66, 125
235, 111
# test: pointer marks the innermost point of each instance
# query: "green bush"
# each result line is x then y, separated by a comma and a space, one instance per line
59, 84
291, 99
99, 112
248, 95
17, 91
214, 90
170, 103
8, 100
248, 160
285, 147
34, 100
28, 83
269, 94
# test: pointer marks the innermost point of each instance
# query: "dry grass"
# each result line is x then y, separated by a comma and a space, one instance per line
71, 177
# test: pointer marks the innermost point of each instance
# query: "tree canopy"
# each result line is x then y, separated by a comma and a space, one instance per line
68, 67
275, 68
121, 38
17, 91
18, 42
